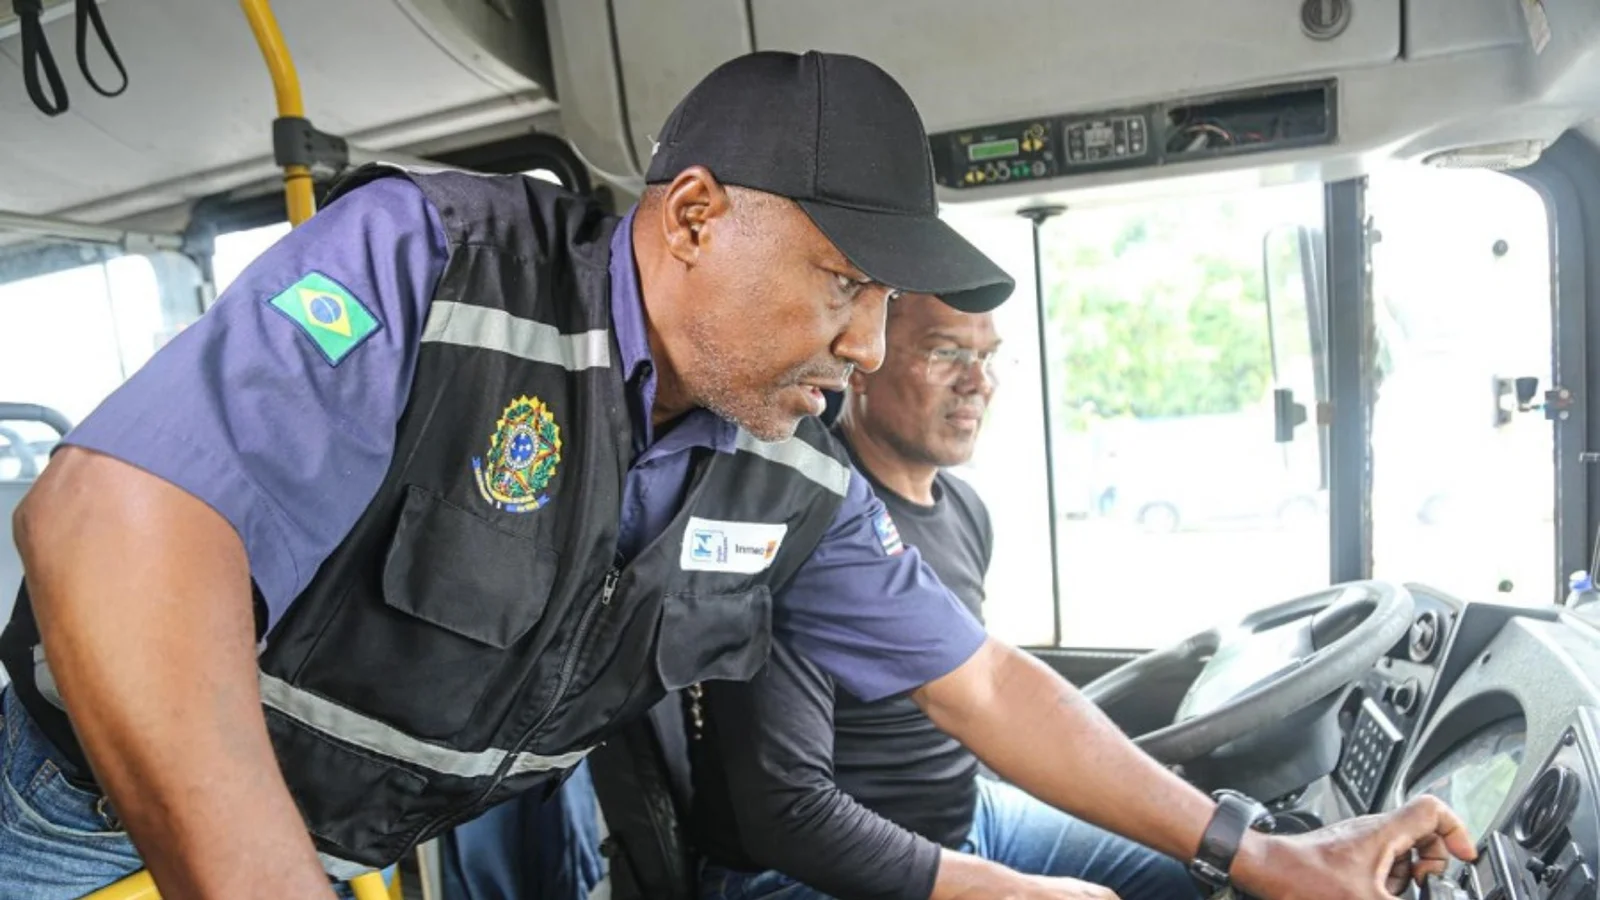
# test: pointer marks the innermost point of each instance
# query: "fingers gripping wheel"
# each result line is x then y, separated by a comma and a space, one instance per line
1266, 667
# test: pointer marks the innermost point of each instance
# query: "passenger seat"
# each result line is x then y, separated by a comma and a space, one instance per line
20, 463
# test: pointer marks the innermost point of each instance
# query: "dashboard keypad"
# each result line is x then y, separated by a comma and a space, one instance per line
1367, 754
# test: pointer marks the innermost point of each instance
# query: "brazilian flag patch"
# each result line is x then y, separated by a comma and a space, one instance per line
329, 315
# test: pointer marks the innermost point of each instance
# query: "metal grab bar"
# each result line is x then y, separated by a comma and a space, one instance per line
33, 412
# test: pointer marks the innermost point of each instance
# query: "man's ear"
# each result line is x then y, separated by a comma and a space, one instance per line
693, 202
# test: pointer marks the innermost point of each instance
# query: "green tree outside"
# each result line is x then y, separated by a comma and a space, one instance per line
1160, 311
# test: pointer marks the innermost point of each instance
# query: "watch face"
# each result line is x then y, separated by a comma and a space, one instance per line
1260, 817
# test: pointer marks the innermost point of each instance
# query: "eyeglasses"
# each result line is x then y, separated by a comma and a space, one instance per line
948, 365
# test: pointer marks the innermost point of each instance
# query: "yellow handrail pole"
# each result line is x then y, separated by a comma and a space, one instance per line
286, 85
370, 886
138, 886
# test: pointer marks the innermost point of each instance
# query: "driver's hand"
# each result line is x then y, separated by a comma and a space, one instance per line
1370, 857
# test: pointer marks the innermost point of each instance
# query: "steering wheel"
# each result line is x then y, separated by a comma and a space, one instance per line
1270, 665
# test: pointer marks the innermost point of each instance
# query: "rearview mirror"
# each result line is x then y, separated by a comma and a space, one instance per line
1295, 287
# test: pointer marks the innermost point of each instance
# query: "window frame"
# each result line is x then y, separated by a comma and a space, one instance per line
1567, 177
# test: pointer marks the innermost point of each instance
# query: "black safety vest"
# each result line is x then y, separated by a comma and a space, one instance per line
475, 634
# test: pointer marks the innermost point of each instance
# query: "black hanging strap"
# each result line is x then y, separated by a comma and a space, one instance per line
39, 63
37, 60
89, 14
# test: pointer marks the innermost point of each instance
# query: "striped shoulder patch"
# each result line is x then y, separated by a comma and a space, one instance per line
888, 534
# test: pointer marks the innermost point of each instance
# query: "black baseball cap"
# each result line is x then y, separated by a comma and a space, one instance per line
841, 138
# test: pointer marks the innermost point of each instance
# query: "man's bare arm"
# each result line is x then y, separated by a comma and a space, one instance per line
1035, 729
142, 594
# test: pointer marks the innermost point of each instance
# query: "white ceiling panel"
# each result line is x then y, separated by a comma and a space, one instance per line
200, 98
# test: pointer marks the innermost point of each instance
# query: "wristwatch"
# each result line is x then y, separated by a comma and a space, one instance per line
1220, 843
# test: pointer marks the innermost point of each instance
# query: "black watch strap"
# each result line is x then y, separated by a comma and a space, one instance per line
1235, 814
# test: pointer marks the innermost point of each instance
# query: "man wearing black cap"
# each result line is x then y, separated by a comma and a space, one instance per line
463, 474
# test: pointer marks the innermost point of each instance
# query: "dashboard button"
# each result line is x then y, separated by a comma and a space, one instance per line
1406, 696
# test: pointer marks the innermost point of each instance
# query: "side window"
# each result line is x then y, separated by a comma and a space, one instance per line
1168, 327
233, 251
1463, 490
68, 338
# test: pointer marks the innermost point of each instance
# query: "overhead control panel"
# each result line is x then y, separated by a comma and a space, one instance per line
1256, 121
1112, 139
1016, 151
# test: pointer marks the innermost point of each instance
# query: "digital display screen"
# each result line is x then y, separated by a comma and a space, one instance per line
993, 150
1475, 776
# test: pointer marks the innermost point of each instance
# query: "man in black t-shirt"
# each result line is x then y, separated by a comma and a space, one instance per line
801, 790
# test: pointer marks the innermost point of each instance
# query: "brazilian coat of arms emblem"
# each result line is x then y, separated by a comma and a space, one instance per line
524, 452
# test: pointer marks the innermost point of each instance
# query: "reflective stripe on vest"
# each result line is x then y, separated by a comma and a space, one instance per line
801, 457
492, 329
351, 727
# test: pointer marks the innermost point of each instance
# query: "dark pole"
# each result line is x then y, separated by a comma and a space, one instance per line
1038, 215
1350, 368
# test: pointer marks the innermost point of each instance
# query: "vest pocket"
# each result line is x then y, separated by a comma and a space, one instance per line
455, 570
713, 637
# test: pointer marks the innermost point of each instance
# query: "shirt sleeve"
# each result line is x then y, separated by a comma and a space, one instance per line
279, 406
869, 611
791, 816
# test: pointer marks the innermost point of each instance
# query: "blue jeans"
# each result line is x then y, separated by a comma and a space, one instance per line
1015, 830
526, 847
58, 841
